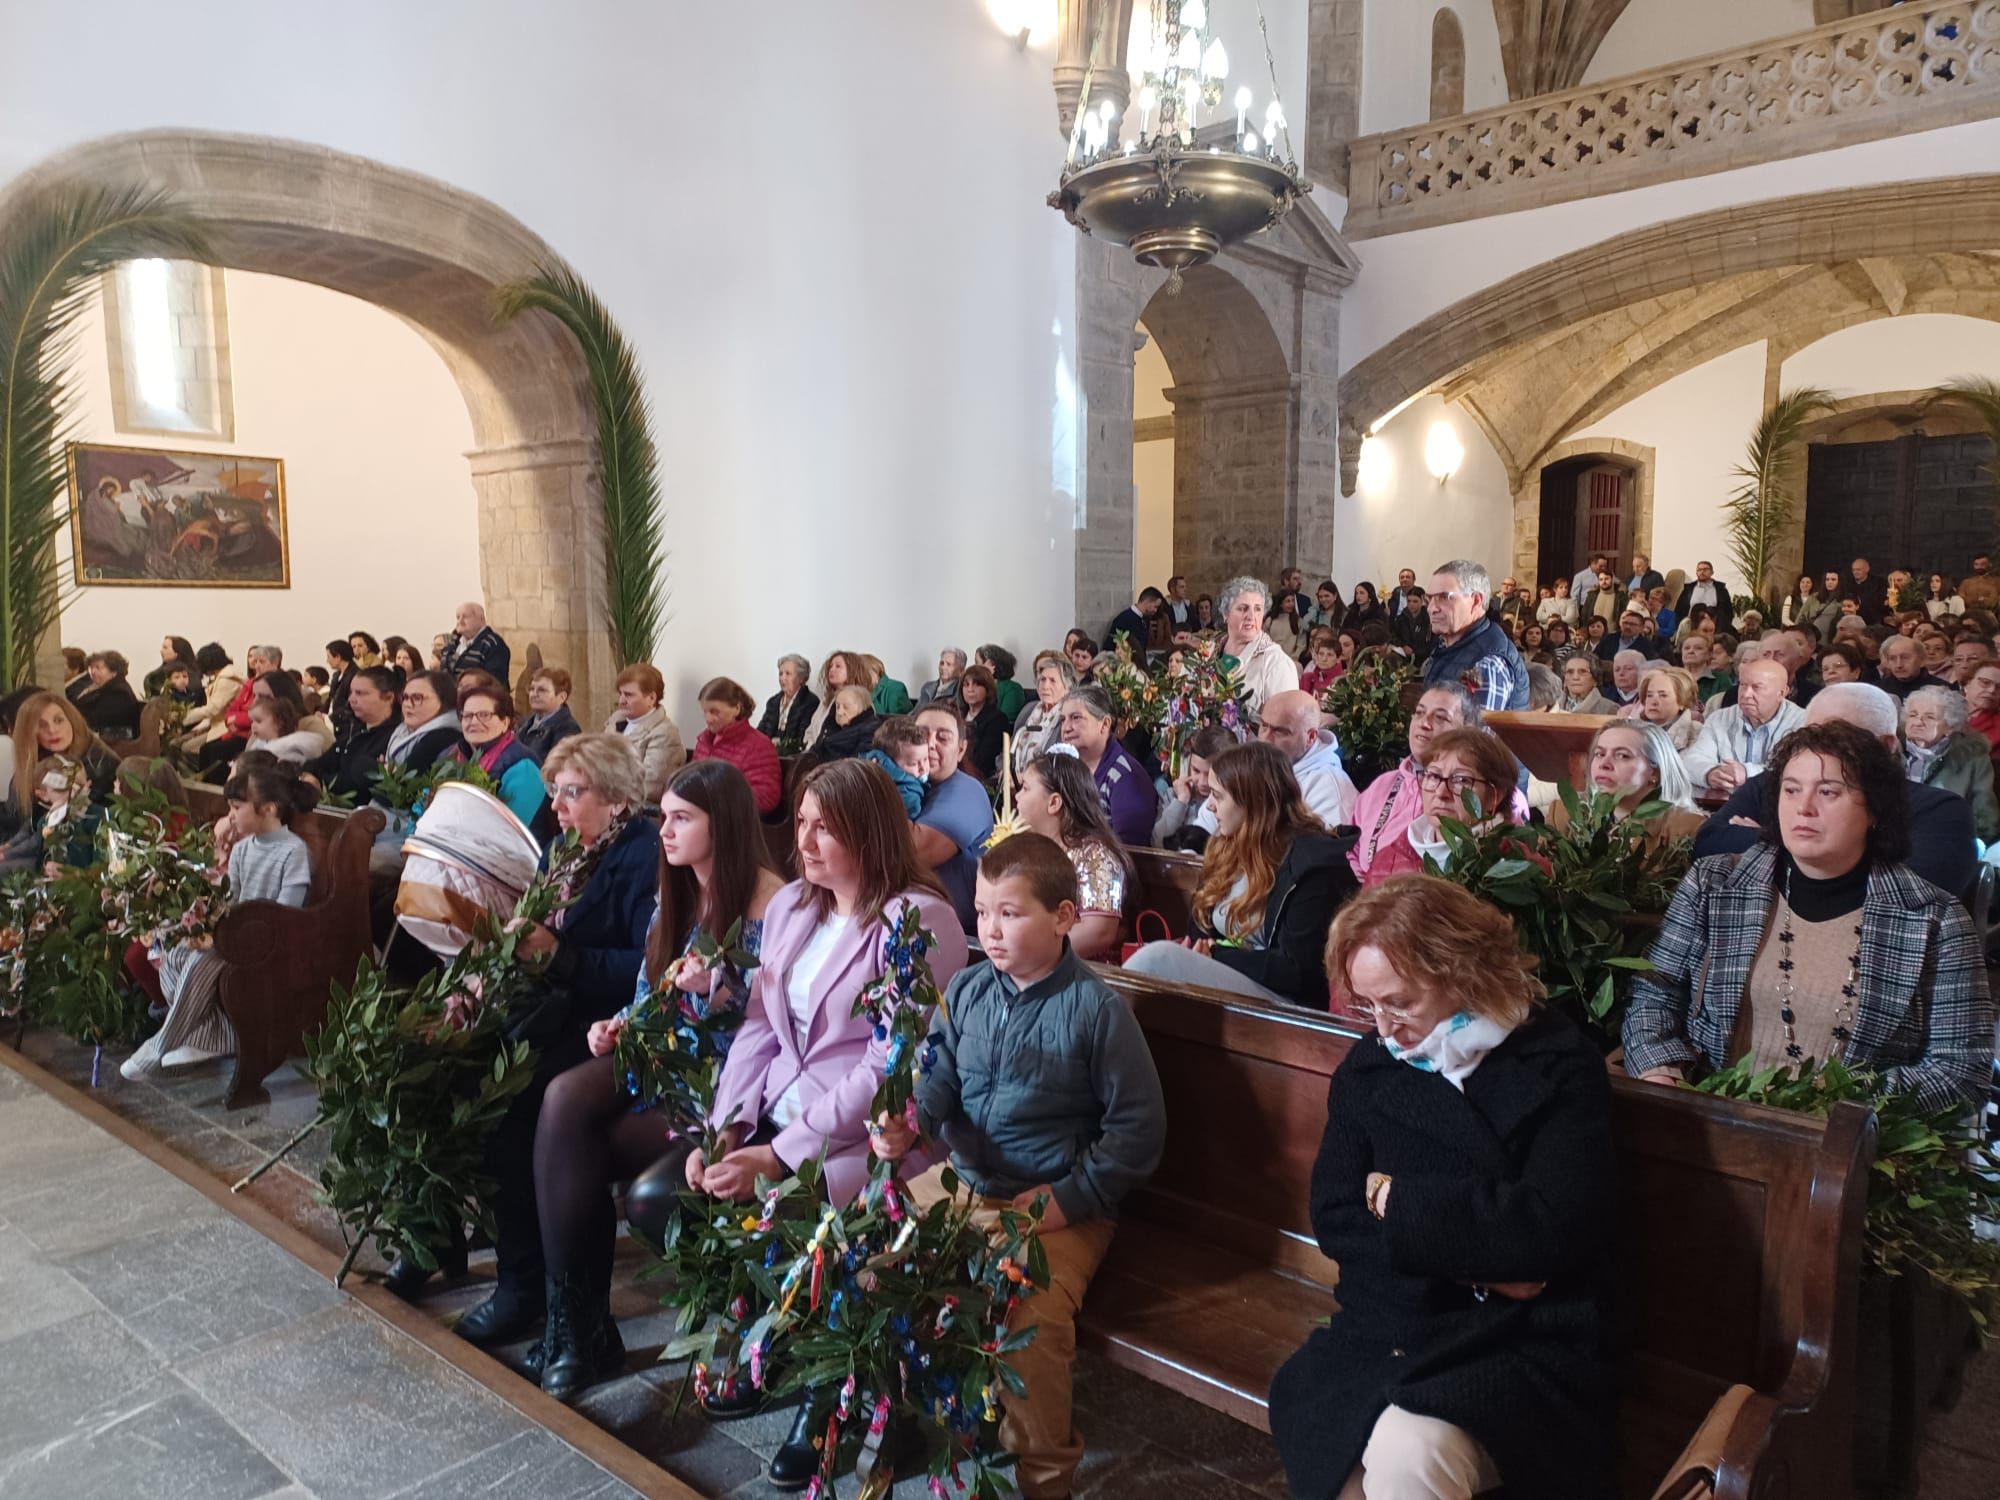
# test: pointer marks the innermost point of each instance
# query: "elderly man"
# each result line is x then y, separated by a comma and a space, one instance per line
1384, 812
1794, 648
1902, 664
944, 687
475, 645
1870, 594
1942, 849
1705, 589
1939, 750
1262, 661
1967, 657
1471, 648
1291, 722
1735, 742
1645, 577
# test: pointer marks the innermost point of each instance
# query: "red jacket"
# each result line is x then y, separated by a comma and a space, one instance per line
237, 715
752, 754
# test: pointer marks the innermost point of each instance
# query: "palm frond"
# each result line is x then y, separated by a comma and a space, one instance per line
628, 462
1758, 513
49, 264
1982, 394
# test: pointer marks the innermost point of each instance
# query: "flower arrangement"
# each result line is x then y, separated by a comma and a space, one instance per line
163, 884
1369, 714
1137, 697
1208, 690
668, 1049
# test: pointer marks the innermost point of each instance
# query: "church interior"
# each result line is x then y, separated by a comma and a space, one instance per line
520, 338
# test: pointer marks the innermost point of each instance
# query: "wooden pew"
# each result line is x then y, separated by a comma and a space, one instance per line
147, 745
282, 962
1739, 1249
1167, 883
1554, 747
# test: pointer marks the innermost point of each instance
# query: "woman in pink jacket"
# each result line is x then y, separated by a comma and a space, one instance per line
802, 1071
726, 707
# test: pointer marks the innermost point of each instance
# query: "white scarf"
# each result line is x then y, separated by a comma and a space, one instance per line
403, 736
1456, 1046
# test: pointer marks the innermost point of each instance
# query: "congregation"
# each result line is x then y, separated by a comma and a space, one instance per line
1833, 761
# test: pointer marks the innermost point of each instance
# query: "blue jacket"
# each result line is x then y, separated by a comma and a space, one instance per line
1486, 656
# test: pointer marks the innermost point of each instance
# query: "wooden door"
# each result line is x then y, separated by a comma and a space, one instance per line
1924, 503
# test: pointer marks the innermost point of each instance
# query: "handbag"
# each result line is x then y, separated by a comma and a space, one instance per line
1139, 938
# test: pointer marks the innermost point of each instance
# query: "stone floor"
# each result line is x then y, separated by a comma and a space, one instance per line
158, 1328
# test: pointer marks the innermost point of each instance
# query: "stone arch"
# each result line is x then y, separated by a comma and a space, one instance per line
1447, 65
1940, 216
1640, 458
433, 255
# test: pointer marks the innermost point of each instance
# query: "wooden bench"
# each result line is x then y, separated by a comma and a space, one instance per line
1167, 883
1739, 1250
147, 745
1554, 747
283, 961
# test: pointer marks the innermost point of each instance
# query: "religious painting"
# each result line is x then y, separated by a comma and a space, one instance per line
156, 518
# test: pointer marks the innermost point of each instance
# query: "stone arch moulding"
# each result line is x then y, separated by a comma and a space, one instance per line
1938, 216
1528, 496
1285, 285
432, 254
1447, 64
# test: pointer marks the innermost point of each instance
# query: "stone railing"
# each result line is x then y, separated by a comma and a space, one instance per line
1915, 67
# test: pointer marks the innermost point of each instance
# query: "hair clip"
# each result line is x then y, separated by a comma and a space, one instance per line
1063, 747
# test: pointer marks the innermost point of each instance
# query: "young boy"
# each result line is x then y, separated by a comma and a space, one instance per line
180, 685
1042, 1088
903, 750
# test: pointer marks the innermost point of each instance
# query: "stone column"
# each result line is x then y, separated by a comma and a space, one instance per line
1235, 482
1316, 448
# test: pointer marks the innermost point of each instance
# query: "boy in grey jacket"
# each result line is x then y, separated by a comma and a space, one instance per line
1042, 1087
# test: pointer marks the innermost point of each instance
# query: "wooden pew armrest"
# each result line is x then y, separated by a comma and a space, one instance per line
1729, 1441
263, 934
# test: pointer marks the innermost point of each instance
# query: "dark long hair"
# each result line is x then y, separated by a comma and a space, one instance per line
274, 782
1083, 815
736, 834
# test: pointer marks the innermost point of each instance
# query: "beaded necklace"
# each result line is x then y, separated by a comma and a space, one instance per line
1848, 989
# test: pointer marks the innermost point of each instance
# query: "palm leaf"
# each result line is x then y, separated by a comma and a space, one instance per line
1758, 514
49, 267
1983, 396
628, 461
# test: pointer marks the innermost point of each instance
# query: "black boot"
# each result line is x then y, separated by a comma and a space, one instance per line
793, 1465
406, 1277
731, 1398
511, 1313
581, 1345
895, 1453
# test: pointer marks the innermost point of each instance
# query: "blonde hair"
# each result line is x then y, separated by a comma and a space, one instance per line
1680, 677
28, 749
1439, 938
607, 761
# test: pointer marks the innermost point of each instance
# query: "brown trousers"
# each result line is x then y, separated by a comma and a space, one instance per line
1037, 1427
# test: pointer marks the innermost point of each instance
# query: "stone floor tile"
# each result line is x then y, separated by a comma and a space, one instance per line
640, 1414
103, 1200
348, 1406
1153, 1472
33, 1292
46, 1145
197, 1287
173, 1446
12, 1084
1951, 1474
51, 1376
529, 1463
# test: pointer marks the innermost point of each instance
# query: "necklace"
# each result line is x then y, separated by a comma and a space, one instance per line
1843, 1014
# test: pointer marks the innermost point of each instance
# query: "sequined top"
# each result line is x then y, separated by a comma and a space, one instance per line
731, 989
1100, 876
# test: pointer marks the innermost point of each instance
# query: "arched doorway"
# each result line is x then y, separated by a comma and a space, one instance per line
433, 255
1594, 495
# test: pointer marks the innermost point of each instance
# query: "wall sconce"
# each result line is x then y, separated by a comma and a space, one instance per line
1377, 466
1028, 22
1443, 452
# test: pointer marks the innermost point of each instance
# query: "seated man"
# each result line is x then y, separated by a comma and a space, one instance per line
957, 818
475, 644
1903, 670
1291, 722
944, 686
1941, 838
359, 745
1735, 742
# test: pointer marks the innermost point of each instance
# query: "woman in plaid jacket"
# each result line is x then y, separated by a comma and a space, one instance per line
1819, 941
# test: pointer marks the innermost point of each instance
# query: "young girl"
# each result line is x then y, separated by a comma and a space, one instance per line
1059, 801
1327, 662
274, 726
266, 862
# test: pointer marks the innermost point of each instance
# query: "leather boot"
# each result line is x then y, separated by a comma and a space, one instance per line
580, 1346
794, 1464
511, 1313
406, 1277
731, 1398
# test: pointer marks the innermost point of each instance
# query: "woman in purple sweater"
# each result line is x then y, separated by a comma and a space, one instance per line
1130, 801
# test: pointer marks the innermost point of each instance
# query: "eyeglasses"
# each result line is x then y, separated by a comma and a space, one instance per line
1437, 594
1437, 781
1377, 1012
570, 792
416, 698
478, 716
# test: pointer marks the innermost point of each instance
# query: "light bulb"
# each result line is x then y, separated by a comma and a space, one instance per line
1443, 452
1194, 15
1215, 62
1274, 116
1149, 98
1107, 109
1189, 56
1250, 143
1243, 100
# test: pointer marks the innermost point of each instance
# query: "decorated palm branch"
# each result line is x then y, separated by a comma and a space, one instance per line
670, 1048
1208, 690
1137, 696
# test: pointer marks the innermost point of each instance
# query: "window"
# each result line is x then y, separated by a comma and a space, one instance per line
167, 328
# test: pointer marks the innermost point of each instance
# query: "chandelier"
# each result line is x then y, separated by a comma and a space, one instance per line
1180, 189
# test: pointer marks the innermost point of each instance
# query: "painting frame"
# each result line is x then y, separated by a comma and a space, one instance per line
170, 518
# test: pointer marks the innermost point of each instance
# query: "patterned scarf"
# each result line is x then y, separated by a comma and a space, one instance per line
571, 864
1456, 1046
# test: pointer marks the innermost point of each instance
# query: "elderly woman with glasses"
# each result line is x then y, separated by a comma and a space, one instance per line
1471, 777
1940, 750
486, 719
1634, 761
1466, 1185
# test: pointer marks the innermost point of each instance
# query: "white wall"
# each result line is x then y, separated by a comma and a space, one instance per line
821, 226
1401, 517
1152, 473
1396, 61
1654, 32
373, 433
1910, 353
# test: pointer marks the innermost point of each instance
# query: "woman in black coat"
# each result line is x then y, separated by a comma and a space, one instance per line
1465, 1187
789, 711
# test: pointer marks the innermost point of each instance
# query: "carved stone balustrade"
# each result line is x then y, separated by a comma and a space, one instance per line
1916, 67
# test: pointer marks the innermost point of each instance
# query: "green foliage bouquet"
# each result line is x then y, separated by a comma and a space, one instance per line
1934, 1174
1208, 690
1136, 696
403, 790
1369, 714
162, 881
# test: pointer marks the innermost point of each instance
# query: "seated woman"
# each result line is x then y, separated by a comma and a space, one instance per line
790, 712
62, 779
1843, 661
1271, 879
715, 877
549, 721
840, 670
985, 728
109, 705
1127, 791
1059, 800
1581, 679
1082, 653
728, 735
1008, 694
851, 730
173, 648
486, 717
1819, 942
653, 735
801, 1074
408, 661
1667, 699
1040, 724
1464, 763
591, 951
266, 862
1637, 763
1466, 1184
1559, 606
429, 729
1941, 751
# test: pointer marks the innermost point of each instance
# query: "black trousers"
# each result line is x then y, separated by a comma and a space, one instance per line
510, 1161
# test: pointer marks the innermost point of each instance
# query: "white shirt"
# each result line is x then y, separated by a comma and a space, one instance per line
799, 1000
1704, 593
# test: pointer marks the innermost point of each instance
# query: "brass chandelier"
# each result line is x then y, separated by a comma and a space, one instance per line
1178, 191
